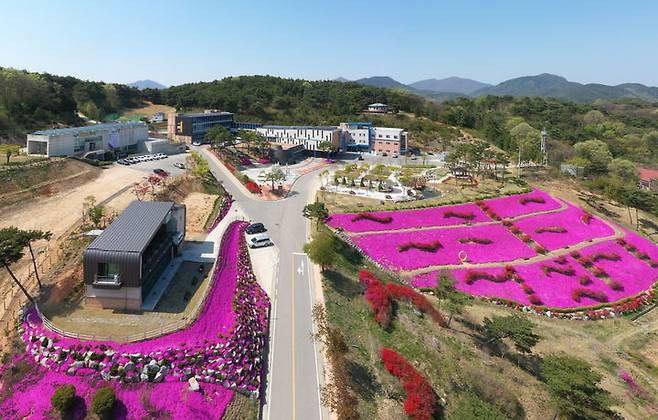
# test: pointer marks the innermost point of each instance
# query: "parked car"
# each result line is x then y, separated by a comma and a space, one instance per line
395, 156
159, 171
122, 162
259, 241
179, 165
196, 143
360, 157
388, 197
255, 228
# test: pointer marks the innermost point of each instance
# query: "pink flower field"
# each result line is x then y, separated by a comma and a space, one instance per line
405, 219
598, 274
222, 349
384, 248
571, 221
555, 289
508, 207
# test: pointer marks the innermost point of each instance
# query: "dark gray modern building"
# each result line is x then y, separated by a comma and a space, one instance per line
124, 262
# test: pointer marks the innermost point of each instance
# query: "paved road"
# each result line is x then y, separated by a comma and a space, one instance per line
294, 378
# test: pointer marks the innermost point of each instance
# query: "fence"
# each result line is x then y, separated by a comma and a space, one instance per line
12, 297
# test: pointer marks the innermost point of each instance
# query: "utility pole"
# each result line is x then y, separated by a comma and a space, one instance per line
518, 165
544, 150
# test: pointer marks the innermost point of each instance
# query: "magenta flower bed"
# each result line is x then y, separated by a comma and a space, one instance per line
555, 289
384, 247
511, 206
405, 219
223, 348
571, 220
31, 398
634, 274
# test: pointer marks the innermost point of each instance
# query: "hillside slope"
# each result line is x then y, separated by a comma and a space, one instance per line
449, 85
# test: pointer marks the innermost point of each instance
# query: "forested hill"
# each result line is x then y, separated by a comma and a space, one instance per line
32, 101
288, 101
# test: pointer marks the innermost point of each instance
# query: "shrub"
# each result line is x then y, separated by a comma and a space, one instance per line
427, 247
515, 230
527, 289
603, 256
565, 271
480, 241
459, 215
535, 300
575, 255
541, 250
643, 256
584, 280
526, 238
507, 223
585, 262
580, 293
419, 301
103, 402
551, 229
587, 218
615, 285
377, 297
421, 402
253, 187
64, 398
372, 218
537, 200
599, 272
562, 260
474, 276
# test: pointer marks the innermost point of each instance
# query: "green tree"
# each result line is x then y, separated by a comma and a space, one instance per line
624, 170
322, 249
64, 398
276, 175
517, 328
596, 153
575, 388
103, 402
219, 136
30, 236
9, 150
528, 139
326, 146
452, 300
11, 251
317, 211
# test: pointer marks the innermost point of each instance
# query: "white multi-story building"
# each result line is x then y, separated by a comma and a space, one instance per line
309, 136
124, 137
357, 135
389, 140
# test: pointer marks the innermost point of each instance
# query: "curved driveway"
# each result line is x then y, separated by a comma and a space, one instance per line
295, 374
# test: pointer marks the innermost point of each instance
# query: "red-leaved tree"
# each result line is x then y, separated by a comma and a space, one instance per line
421, 402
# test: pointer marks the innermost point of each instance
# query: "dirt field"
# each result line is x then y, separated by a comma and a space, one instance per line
148, 110
198, 207
58, 212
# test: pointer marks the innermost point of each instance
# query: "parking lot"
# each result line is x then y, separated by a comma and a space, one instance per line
166, 164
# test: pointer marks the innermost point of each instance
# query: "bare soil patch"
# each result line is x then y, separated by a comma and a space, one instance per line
198, 207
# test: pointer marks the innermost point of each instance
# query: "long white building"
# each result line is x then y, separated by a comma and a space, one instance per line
117, 137
309, 136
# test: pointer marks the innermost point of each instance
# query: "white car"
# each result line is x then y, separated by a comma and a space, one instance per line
196, 143
260, 241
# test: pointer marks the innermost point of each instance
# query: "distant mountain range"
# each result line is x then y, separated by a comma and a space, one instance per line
450, 84
147, 84
542, 85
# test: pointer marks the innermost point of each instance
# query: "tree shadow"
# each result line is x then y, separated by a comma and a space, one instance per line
120, 412
79, 410
343, 285
350, 254
363, 381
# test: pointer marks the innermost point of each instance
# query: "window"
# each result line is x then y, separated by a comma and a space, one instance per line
395, 137
388, 137
108, 269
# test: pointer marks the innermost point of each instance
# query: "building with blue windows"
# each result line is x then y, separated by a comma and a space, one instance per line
192, 127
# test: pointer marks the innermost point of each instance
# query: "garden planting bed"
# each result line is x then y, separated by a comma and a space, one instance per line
565, 228
521, 204
395, 220
222, 350
385, 248
570, 274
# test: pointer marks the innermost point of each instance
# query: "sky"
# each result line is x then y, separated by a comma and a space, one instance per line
175, 42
